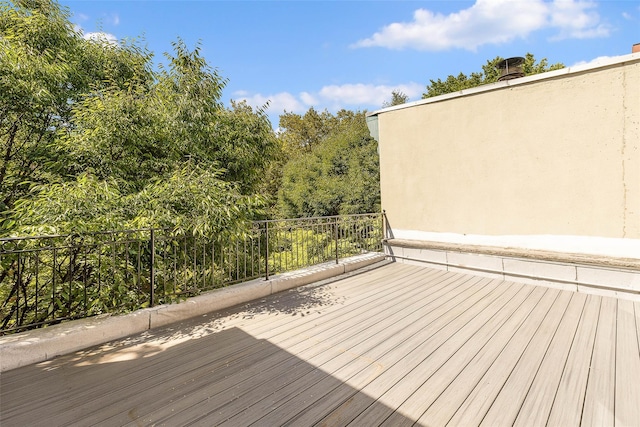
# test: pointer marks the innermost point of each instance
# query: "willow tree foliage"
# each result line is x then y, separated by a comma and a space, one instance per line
92, 138
45, 69
489, 74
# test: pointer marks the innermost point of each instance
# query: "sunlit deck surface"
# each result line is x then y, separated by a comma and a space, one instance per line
397, 345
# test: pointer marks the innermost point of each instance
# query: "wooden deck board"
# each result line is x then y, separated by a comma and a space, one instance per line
322, 343
465, 377
261, 317
627, 388
407, 360
636, 307
149, 375
482, 396
540, 396
398, 348
295, 338
599, 400
438, 398
505, 407
398, 345
409, 399
392, 361
359, 370
569, 399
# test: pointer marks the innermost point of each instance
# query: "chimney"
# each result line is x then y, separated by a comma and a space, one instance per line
510, 68
635, 48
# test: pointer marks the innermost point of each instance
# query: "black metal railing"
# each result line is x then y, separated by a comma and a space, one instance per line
48, 279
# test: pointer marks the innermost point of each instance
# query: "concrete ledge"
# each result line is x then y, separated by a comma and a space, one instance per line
215, 300
600, 275
534, 254
38, 345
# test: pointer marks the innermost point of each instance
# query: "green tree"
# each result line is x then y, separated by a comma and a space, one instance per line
190, 199
340, 175
93, 139
46, 68
299, 134
136, 133
489, 74
245, 145
397, 98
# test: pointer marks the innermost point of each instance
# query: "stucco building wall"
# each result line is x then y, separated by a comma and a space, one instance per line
552, 154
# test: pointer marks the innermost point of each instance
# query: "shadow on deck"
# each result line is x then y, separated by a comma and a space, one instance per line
228, 377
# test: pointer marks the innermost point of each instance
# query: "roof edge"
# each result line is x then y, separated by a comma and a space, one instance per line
591, 66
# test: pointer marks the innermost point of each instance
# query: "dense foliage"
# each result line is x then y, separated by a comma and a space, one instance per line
335, 169
91, 138
489, 74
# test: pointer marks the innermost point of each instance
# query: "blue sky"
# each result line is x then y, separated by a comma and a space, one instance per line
352, 54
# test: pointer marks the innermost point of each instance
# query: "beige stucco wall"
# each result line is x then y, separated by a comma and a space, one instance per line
557, 153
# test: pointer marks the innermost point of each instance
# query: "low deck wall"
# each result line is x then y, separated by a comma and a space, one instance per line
601, 275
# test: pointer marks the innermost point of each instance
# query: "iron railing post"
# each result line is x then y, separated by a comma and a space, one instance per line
18, 286
152, 269
384, 224
337, 256
266, 256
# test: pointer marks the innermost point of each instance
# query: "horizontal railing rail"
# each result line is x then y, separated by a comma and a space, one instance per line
45, 280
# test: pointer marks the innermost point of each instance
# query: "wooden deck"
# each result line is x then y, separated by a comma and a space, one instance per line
397, 345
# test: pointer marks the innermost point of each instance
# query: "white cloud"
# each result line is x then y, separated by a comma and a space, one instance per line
99, 36
577, 19
279, 102
595, 61
490, 22
308, 98
633, 15
360, 94
332, 97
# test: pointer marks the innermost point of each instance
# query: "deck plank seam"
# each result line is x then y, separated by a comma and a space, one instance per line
591, 362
